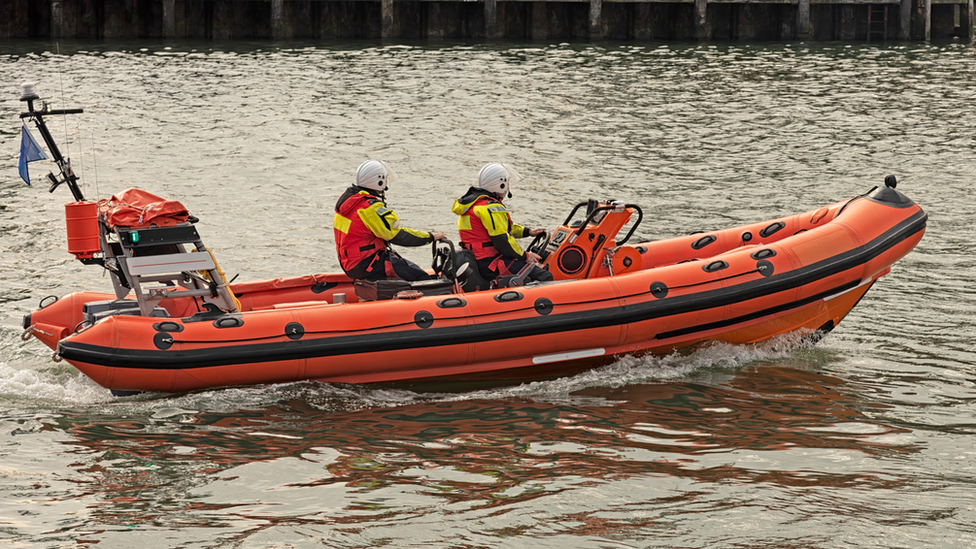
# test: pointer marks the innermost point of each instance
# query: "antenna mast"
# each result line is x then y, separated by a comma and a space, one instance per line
64, 164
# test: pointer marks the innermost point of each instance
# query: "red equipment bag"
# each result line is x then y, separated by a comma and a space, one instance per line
139, 209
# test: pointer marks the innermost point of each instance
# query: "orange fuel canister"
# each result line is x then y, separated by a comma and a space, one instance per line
82, 228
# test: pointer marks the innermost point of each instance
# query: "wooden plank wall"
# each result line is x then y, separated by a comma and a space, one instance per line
844, 20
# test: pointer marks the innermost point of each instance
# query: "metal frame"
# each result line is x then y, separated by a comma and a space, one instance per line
177, 275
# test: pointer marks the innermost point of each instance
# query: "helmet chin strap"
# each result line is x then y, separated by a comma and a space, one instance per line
374, 192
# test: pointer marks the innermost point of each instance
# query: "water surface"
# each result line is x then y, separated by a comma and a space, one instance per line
864, 440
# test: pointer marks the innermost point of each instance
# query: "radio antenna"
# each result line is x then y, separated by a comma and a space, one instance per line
67, 139
64, 165
94, 164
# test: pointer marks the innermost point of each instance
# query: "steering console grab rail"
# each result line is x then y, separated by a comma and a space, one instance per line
593, 210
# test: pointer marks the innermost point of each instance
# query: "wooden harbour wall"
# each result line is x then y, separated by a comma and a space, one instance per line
822, 20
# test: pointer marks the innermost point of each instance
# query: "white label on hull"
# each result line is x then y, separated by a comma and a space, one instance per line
863, 282
568, 356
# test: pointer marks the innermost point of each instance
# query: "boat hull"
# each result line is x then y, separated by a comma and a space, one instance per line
806, 279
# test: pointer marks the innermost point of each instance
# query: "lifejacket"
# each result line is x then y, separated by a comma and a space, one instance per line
474, 236
354, 241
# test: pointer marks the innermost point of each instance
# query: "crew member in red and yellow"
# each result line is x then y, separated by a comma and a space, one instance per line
365, 227
486, 227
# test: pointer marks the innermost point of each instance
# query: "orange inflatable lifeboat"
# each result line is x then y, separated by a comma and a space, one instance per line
174, 323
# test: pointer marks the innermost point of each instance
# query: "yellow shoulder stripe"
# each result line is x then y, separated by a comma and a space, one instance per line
342, 223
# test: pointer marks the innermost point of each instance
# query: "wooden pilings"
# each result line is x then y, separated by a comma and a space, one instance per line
803, 19
491, 19
928, 19
596, 19
386, 18
905, 19
701, 20
844, 20
540, 21
169, 18
847, 24
278, 19
57, 19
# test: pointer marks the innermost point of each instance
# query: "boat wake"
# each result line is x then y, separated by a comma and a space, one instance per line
715, 357
48, 388
59, 386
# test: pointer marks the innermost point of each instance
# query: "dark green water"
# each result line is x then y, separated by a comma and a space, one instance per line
865, 440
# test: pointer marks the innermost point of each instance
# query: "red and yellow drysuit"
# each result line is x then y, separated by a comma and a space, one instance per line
363, 226
486, 228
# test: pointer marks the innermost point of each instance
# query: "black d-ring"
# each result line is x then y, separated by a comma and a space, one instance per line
423, 319
543, 306
163, 340
659, 290
294, 330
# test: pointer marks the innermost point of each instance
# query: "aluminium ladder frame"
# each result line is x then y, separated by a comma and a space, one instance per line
128, 256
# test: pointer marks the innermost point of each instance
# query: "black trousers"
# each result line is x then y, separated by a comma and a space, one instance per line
385, 265
494, 267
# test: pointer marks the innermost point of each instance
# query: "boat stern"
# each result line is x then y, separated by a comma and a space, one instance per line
57, 318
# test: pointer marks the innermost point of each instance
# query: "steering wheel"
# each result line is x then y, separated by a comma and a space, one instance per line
442, 261
537, 244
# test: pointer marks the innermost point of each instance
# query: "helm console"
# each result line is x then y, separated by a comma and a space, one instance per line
588, 247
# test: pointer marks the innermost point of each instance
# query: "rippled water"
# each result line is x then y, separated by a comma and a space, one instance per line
866, 439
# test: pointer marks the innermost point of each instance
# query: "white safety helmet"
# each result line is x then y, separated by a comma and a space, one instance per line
375, 175
498, 178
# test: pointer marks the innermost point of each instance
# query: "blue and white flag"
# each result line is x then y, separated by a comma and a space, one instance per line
30, 151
